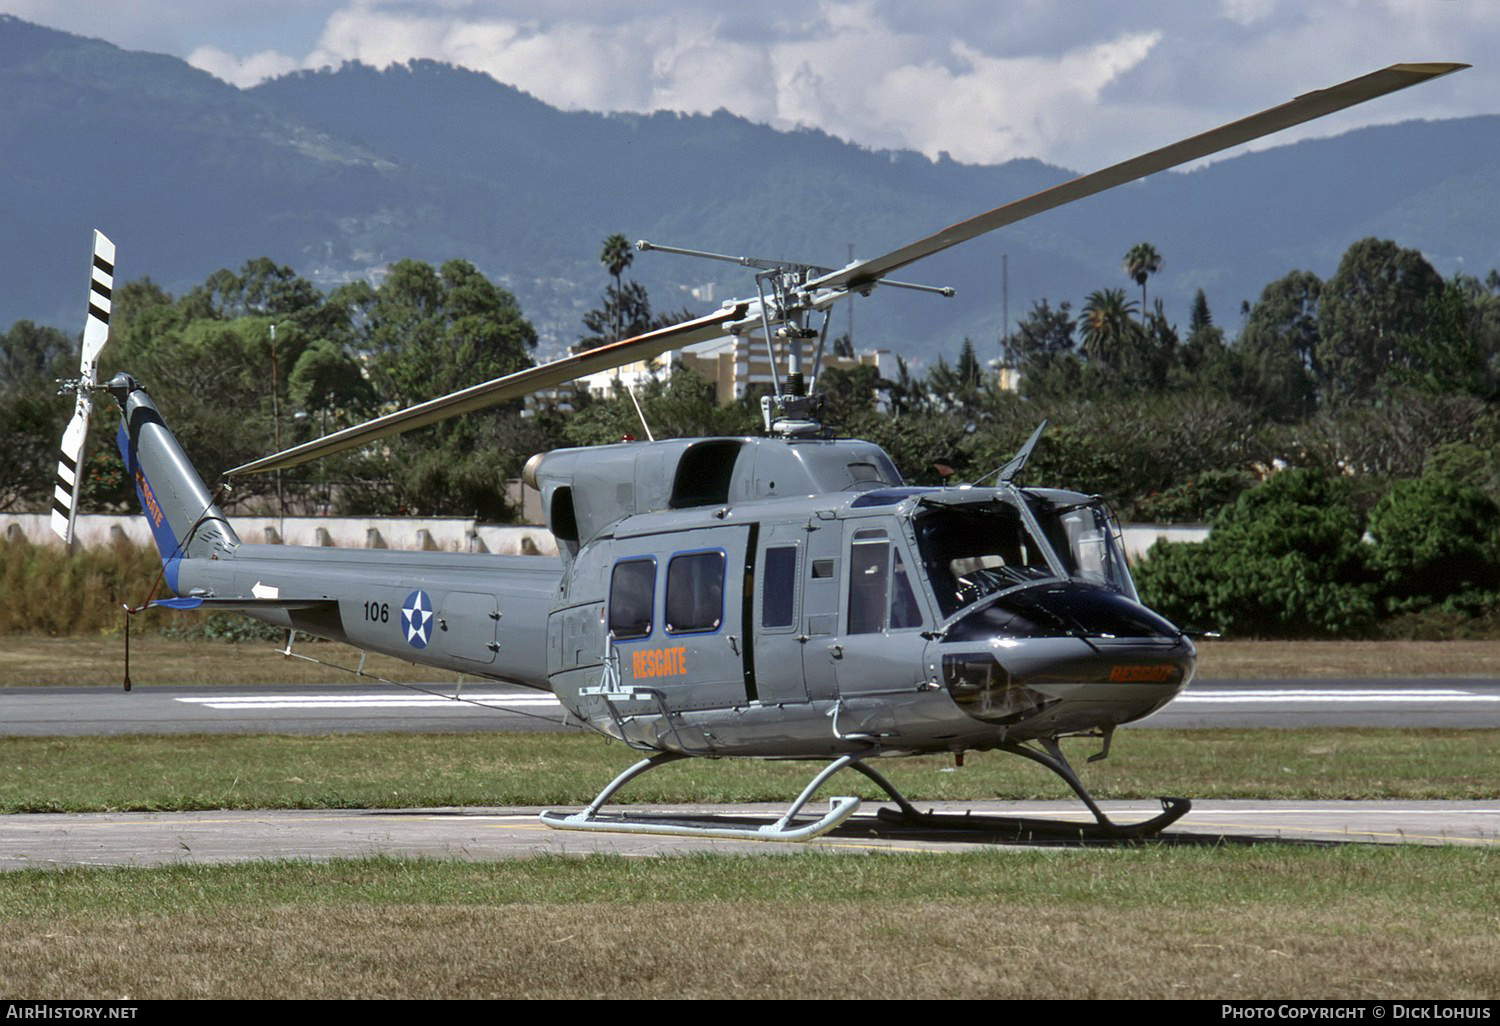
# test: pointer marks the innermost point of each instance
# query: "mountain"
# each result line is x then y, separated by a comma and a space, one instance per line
339, 172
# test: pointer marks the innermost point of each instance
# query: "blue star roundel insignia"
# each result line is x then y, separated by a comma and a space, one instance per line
416, 619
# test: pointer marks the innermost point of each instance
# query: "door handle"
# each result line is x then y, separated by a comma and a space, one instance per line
836, 650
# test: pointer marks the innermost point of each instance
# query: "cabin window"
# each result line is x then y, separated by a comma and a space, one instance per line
779, 587
695, 592
632, 596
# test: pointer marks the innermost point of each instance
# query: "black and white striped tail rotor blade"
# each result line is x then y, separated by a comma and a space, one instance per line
101, 293
68, 486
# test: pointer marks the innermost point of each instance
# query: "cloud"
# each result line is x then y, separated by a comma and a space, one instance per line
1080, 83
846, 67
241, 71
993, 109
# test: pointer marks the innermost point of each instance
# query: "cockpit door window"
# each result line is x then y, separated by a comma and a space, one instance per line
880, 592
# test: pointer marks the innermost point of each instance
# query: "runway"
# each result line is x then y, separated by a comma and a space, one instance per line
49, 840
365, 706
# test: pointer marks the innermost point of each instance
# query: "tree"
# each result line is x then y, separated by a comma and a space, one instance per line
32, 415
1141, 262
1107, 328
432, 331
970, 374
428, 332
1372, 315
616, 256
1284, 560
1043, 335
850, 394
626, 311
1206, 360
958, 387
1448, 357
1437, 545
682, 406
1278, 345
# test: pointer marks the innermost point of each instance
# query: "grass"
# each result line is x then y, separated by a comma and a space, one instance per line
98, 660
1274, 921
141, 773
1221, 660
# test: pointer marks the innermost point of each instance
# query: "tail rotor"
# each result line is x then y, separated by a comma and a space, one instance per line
69, 483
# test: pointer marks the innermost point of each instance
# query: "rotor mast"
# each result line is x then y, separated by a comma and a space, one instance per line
785, 301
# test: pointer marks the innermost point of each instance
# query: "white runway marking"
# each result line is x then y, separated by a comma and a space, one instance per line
414, 701
1428, 696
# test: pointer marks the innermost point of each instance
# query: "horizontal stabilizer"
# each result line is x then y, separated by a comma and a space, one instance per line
243, 605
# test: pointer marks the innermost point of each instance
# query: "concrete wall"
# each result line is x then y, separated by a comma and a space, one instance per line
431, 534
1140, 537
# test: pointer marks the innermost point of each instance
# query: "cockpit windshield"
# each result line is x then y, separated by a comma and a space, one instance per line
1086, 536
974, 550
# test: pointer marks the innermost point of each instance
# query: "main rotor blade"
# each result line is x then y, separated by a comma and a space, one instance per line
1306, 107
500, 390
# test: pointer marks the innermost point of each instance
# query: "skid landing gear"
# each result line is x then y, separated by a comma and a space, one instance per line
1102, 829
841, 808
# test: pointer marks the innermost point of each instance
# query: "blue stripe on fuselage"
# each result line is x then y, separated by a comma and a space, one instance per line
156, 518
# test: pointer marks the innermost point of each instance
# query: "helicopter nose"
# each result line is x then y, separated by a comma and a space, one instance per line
1073, 658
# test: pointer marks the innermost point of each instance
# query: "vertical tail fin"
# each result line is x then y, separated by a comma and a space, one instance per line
185, 522
69, 484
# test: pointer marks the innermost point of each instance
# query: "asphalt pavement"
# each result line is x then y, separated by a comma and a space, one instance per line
366, 706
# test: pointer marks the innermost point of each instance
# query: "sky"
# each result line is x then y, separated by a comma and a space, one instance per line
1077, 83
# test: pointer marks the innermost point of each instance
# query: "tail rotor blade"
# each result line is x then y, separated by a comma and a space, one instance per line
101, 293
69, 484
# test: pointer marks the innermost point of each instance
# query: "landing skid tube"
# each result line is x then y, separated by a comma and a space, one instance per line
1103, 829
839, 809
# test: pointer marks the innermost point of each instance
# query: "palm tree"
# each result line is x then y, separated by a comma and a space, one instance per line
1107, 327
1141, 262
616, 256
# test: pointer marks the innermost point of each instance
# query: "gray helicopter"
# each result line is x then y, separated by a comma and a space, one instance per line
787, 596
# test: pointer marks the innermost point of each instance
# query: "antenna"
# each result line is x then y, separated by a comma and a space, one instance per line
1005, 473
639, 412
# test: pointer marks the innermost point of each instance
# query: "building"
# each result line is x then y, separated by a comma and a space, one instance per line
737, 366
